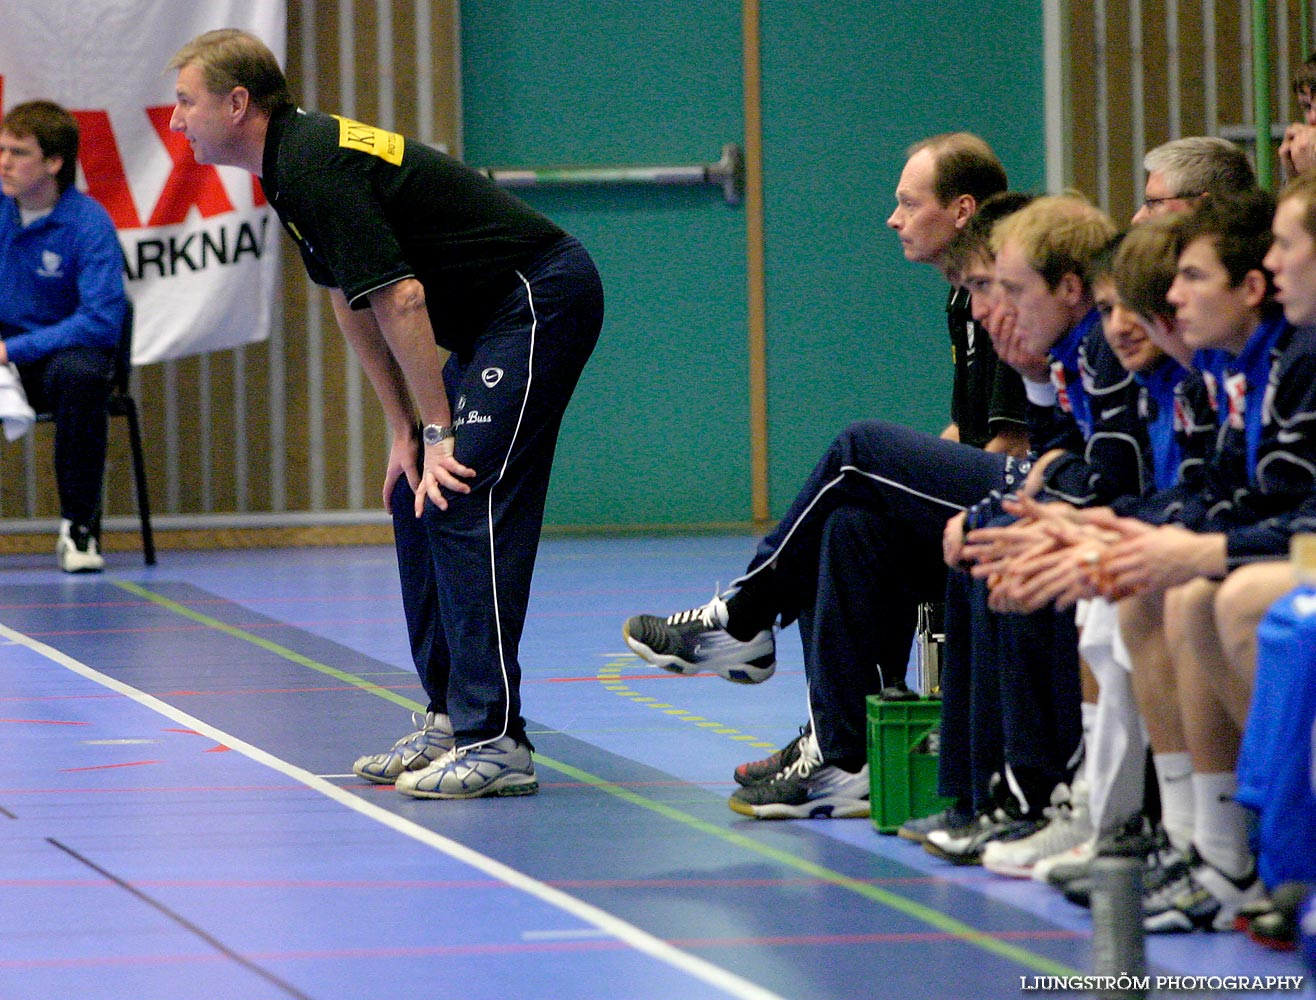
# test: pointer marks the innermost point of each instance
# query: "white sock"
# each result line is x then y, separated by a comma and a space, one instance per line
1220, 830
1174, 773
1088, 716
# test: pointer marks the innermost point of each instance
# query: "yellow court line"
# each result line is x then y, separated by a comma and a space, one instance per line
609, 677
926, 914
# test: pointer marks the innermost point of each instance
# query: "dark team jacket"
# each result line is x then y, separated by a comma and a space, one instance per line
1094, 420
986, 393
1259, 486
1097, 421
368, 208
1180, 463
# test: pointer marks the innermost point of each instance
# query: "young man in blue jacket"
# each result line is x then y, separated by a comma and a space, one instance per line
62, 308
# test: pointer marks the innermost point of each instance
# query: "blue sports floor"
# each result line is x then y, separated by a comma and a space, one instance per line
178, 818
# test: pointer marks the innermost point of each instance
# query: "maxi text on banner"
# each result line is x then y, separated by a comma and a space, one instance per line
200, 244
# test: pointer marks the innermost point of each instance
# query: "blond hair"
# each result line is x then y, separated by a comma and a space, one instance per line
1057, 235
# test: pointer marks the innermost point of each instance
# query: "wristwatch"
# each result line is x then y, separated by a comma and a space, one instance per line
434, 433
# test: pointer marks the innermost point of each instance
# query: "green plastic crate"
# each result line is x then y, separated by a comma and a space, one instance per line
902, 773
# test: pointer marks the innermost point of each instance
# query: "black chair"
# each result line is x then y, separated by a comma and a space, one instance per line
122, 404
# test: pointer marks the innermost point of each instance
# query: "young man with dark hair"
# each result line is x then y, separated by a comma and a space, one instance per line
62, 309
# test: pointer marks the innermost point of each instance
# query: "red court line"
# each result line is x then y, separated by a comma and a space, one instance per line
109, 767
45, 722
540, 947
191, 603
299, 788
479, 885
198, 694
244, 627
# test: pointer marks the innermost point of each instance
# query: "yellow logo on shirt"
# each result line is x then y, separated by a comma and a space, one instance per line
369, 139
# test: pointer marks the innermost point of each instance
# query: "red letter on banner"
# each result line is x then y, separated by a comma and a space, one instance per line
190, 183
103, 167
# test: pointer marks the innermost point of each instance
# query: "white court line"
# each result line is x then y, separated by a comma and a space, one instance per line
627, 933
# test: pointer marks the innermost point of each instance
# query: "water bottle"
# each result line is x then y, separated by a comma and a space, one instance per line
1118, 956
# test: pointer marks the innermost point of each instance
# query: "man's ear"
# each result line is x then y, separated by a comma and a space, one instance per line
965, 206
239, 100
1071, 289
1256, 286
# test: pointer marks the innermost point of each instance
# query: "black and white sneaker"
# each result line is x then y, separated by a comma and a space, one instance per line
807, 789
1007, 818
1203, 897
77, 549
918, 828
696, 640
757, 771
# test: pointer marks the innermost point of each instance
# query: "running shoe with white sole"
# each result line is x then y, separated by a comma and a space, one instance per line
1006, 818
1067, 827
755, 772
918, 827
1203, 897
500, 767
431, 740
1162, 861
690, 642
77, 550
807, 789
1073, 863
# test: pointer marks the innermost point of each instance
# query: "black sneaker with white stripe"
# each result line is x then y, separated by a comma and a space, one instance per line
756, 772
690, 642
806, 789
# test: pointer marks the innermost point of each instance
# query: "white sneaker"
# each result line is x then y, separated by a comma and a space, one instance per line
431, 740
1068, 827
1076, 858
500, 767
77, 549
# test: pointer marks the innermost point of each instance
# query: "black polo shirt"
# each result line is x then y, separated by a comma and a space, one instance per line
368, 208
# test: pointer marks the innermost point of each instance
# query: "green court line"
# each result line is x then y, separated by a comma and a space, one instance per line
270, 647
926, 914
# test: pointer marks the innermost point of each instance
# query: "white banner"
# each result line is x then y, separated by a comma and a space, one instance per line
200, 245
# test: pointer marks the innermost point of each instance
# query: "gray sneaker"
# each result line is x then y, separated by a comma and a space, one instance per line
431, 740
500, 767
917, 828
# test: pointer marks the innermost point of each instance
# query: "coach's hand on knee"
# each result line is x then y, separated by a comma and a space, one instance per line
442, 471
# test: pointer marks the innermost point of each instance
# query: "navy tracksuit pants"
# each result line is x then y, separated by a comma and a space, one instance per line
1010, 693
74, 385
465, 572
857, 552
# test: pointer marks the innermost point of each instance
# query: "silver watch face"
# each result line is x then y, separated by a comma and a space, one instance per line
433, 433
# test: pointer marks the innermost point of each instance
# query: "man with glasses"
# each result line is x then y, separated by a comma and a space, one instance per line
1183, 171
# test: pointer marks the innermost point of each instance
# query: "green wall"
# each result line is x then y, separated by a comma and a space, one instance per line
659, 429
